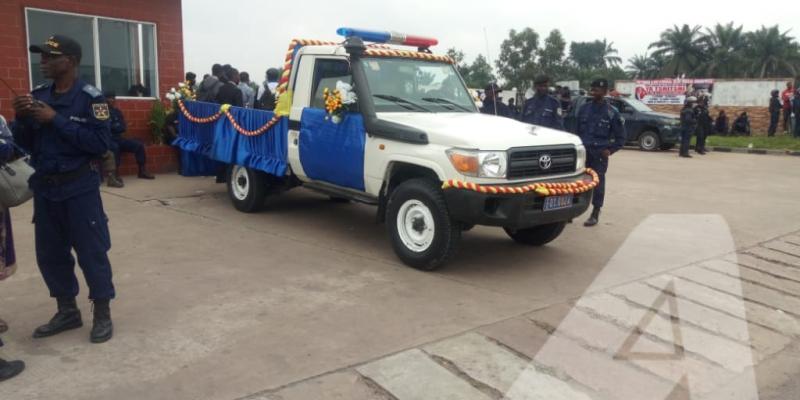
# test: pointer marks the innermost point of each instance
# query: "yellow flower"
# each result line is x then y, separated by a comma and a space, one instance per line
224, 108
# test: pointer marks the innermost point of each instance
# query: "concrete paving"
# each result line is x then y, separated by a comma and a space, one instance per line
305, 299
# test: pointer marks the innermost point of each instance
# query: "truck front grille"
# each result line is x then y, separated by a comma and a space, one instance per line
526, 162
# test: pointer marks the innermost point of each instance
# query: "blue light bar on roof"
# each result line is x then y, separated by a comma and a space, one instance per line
388, 37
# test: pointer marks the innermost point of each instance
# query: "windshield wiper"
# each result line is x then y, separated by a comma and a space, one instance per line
440, 100
401, 101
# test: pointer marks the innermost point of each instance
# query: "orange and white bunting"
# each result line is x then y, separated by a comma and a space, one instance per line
541, 189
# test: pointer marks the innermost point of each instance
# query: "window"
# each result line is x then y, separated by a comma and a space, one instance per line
402, 85
118, 55
326, 73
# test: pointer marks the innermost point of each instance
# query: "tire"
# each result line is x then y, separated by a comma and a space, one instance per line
422, 233
667, 146
649, 141
538, 235
247, 188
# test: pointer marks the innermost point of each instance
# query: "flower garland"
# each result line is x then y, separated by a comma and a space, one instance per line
224, 110
541, 189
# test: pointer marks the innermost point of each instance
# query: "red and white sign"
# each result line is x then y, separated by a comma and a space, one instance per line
671, 91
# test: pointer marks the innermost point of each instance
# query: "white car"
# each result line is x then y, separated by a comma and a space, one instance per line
416, 147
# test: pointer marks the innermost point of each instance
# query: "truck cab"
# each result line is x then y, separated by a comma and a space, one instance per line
415, 146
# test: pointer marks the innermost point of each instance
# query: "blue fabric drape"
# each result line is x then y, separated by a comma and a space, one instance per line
220, 141
330, 152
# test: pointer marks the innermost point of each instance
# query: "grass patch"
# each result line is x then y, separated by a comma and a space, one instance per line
759, 142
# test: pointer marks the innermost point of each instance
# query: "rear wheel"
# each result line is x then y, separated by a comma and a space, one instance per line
649, 141
247, 188
423, 234
538, 235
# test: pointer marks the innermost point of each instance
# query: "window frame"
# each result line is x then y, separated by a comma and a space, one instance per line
315, 85
154, 92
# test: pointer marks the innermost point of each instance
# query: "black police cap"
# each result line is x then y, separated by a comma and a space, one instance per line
600, 83
58, 45
541, 80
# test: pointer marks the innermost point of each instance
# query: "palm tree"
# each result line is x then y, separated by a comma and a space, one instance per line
639, 66
771, 53
724, 47
610, 59
682, 47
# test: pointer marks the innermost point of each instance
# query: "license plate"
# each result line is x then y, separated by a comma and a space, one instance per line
557, 202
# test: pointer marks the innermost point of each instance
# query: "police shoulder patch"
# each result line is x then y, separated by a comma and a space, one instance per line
92, 91
100, 111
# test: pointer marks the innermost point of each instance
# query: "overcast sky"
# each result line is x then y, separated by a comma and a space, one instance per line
253, 35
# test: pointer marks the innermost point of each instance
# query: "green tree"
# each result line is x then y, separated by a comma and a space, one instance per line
517, 61
458, 57
639, 66
586, 55
551, 56
682, 48
480, 73
724, 48
595, 54
771, 53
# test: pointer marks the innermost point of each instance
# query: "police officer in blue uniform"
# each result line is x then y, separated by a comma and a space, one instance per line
543, 109
64, 125
492, 104
602, 132
688, 125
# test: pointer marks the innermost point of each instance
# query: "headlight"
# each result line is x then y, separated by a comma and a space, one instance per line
482, 164
493, 164
580, 163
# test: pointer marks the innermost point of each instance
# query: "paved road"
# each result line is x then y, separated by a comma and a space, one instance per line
690, 282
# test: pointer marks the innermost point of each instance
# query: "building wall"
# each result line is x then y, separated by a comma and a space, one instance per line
733, 96
759, 116
167, 16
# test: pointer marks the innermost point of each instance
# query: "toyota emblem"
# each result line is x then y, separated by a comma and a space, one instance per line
545, 161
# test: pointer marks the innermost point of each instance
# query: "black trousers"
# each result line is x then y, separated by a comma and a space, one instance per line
786, 115
686, 137
700, 146
130, 146
773, 123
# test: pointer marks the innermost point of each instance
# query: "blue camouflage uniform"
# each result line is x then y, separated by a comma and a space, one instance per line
67, 209
543, 111
600, 127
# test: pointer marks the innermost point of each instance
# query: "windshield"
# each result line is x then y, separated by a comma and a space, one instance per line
638, 105
403, 85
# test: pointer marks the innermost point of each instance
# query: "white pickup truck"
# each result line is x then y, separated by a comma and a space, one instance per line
416, 147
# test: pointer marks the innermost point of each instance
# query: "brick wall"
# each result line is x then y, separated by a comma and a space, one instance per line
166, 14
759, 116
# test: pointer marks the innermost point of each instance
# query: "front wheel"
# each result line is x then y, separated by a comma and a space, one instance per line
423, 234
247, 188
649, 141
538, 235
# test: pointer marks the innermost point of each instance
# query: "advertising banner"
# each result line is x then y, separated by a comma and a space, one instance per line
671, 91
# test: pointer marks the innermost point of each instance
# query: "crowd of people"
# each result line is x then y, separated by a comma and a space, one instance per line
226, 85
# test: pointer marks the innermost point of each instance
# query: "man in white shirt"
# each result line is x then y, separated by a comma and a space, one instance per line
248, 94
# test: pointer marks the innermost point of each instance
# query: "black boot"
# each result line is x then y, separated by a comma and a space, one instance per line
102, 329
10, 369
143, 174
594, 218
68, 317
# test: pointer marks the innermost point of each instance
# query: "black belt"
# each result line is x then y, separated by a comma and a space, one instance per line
63, 178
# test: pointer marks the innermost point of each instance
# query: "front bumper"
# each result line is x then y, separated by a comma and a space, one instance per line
671, 135
515, 211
